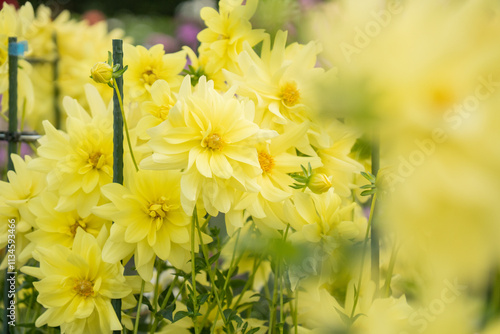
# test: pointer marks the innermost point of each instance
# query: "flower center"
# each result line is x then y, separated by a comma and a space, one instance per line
163, 112
290, 94
213, 142
266, 161
83, 287
78, 224
158, 210
149, 76
96, 160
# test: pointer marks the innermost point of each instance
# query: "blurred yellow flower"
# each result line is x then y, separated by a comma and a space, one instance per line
227, 31
23, 187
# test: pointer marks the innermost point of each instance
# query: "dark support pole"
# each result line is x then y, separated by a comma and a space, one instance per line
117, 140
12, 149
55, 73
375, 242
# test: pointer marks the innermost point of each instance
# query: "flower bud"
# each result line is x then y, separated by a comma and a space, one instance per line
101, 72
319, 183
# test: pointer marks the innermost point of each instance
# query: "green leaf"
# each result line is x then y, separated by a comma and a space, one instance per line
369, 176
179, 315
146, 302
213, 258
253, 330
368, 192
118, 73
202, 298
167, 312
110, 58
304, 170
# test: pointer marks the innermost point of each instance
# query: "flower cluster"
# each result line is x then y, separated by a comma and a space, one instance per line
245, 206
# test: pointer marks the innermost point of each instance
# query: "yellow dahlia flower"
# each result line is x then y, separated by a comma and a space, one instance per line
76, 286
227, 31
333, 143
276, 163
79, 162
323, 217
23, 187
147, 66
54, 227
155, 111
148, 221
281, 81
212, 138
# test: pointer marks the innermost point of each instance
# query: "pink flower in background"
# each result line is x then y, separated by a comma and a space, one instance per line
187, 34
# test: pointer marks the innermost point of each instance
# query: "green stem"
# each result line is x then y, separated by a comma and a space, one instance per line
125, 124
209, 269
164, 304
296, 311
356, 297
193, 270
138, 314
375, 242
272, 308
390, 270
229, 275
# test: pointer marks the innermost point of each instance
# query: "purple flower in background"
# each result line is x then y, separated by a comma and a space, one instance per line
187, 33
170, 44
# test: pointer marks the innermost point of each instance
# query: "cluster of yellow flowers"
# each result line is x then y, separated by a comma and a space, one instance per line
56, 61
238, 131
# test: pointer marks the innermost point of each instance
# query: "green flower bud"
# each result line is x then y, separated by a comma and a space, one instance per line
319, 183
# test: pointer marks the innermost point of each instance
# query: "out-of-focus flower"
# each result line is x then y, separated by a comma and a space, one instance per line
227, 31
187, 34
23, 187
93, 16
